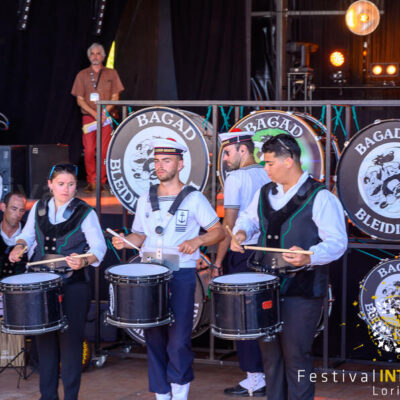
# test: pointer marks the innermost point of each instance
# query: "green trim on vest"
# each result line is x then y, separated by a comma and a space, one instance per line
72, 232
262, 222
296, 213
41, 245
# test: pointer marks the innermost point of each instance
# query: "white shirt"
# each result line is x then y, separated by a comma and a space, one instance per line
10, 240
90, 228
194, 212
239, 189
327, 214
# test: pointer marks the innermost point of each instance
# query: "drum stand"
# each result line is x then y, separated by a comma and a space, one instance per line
20, 370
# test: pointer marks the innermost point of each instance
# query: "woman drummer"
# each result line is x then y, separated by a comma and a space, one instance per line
63, 224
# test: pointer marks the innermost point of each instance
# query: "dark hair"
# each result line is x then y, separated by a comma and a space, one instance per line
249, 145
8, 196
60, 168
283, 145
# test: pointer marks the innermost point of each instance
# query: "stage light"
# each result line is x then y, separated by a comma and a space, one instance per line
377, 70
23, 11
336, 58
99, 16
362, 17
384, 70
391, 69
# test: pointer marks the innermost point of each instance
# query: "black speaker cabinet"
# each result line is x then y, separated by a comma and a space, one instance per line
13, 169
41, 158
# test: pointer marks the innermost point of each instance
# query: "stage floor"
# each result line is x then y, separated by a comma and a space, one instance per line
126, 378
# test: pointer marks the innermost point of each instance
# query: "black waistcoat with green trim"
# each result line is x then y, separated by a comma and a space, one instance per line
63, 238
292, 225
8, 268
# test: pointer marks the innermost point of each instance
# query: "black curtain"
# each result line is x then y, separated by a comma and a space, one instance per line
209, 49
38, 67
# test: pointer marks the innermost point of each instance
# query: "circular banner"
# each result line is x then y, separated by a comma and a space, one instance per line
130, 156
368, 180
272, 123
379, 303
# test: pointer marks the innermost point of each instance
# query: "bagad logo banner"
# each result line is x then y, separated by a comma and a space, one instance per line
368, 179
130, 157
272, 123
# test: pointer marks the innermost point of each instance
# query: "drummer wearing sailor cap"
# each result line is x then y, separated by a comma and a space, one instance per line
243, 180
166, 227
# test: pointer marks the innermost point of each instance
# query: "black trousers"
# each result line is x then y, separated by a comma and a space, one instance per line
288, 360
66, 347
248, 351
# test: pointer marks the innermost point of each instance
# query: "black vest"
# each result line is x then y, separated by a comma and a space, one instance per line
292, 225
63, 238
8, 268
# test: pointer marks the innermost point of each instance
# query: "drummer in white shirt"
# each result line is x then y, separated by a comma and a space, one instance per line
244, 178
294, 212
166, 226
65, 225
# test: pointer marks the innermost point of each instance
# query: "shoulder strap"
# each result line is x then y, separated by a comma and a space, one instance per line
155, 205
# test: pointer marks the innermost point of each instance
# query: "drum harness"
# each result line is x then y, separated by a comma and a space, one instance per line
169, 260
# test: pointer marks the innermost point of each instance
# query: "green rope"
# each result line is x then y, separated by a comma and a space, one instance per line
322, 118
111, 247
369, 254
338, 119
381, 250
114, 123
241, 112
207, 119
225, 126
130, 111
353, 110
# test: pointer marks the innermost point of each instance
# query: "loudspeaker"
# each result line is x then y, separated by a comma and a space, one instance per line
13, 171
40, 160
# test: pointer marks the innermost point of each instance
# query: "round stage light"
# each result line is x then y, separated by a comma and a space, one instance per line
362, 17
336, 58
391, 69
377, 70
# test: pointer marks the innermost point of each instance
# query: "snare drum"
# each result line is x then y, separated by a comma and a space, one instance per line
32, 304
245, 306
139, 295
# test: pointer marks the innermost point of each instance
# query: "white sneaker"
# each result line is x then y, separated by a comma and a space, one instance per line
253, 382
161, 396
180, 392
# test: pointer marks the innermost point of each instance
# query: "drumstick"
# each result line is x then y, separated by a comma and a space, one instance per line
233, 238
53, 260
22, 251
277, 250
121, 237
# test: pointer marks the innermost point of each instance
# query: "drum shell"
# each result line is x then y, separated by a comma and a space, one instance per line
32, 309
244, 311
138, 301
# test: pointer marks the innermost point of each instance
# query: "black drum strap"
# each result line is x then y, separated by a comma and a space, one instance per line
155, 205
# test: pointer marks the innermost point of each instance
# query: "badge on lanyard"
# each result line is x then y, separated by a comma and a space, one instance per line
94, 97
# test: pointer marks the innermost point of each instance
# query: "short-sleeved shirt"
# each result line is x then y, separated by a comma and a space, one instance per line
108, 84
194, 212
240, 187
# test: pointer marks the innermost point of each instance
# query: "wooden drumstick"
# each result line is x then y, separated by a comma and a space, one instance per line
53, 260
121, 237
278, 250
22, 251
233, 238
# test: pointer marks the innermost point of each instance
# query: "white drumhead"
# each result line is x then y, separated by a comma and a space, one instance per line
244, 278
29, 278
138, 270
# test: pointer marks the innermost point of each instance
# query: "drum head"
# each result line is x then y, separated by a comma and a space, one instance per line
137, 270
379, 302
368, 180
244, 278
130, 156
271, 122
30, 278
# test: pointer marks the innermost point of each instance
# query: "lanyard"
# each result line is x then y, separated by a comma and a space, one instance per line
155, 206
95, 84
